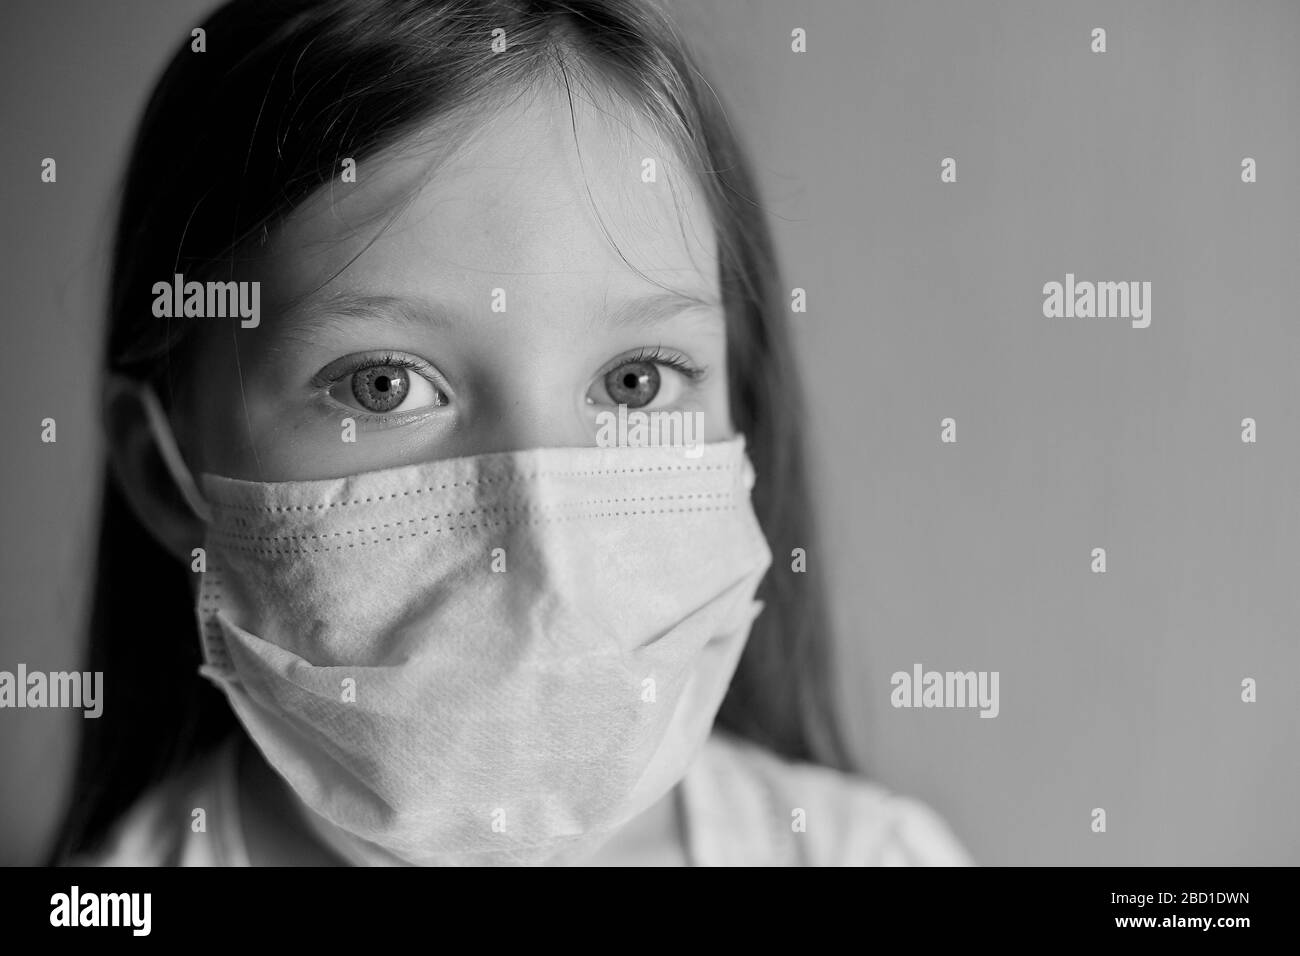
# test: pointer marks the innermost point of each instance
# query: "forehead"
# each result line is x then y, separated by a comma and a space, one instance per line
548, 194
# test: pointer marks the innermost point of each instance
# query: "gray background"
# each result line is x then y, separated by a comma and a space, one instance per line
1118, 690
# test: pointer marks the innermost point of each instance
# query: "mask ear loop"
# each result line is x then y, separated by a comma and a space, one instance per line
171, 455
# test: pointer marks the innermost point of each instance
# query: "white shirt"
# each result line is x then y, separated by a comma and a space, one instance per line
743, 806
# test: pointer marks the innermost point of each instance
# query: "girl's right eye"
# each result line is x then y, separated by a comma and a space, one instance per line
383, 385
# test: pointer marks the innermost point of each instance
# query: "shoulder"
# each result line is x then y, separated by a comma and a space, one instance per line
749, 806
158, 830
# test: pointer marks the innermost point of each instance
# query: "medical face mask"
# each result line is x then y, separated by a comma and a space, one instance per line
495, 659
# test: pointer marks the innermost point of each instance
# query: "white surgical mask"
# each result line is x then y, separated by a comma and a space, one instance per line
496, 659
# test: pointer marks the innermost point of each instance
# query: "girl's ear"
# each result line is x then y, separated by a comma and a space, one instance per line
141, 468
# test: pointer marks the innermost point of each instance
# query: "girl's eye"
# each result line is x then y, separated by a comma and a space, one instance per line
633, 384
650, 376
381, 388
385, 385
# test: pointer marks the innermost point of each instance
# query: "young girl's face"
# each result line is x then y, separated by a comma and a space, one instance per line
491, 313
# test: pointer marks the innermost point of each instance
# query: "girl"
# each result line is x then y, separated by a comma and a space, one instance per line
441, 620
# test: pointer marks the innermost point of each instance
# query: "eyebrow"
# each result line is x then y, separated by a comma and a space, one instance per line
312, 312
656, 308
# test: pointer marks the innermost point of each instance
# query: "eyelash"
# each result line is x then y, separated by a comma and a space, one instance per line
660, 356
370, 361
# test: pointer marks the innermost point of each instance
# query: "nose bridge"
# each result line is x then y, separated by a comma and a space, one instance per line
534, 363
549, 420
536, 401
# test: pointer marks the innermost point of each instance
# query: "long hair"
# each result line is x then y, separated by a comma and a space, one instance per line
232, 139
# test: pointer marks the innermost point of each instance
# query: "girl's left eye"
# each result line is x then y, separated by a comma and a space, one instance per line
384, 385
647, 378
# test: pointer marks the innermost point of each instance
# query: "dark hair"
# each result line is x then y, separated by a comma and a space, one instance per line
234, 138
